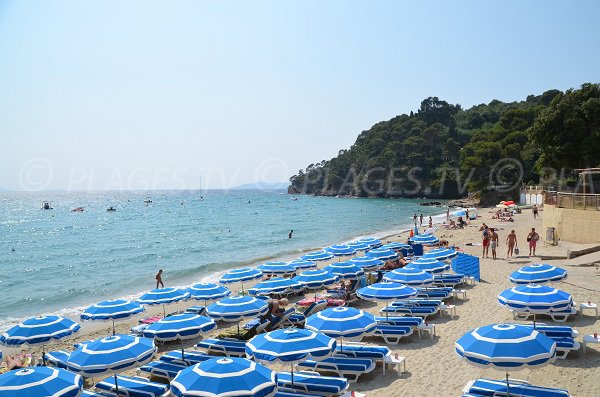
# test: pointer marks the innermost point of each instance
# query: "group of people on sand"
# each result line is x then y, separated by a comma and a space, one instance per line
490, 240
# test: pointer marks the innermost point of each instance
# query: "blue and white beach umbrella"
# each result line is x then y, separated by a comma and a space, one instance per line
290, 345
208, 292
111, 310
342, 322
317, 256
409, 276
507, 347
386, 291
535, 298
179, 327
316, 279
382, 253
40, 382
277, 268
440, 254
538, 273
359, 246
428, 265
300, 264
340, 250
110, 355
425, 239
241, 275
367, 262
372, 241
39, 331
276, 285
345, 270
395, 246
163, 296
236, 308
224, 377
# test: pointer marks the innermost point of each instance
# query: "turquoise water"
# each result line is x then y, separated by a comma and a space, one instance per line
58, 260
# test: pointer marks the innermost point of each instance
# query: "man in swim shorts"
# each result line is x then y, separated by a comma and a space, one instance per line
493, 242
532, 239
486, 241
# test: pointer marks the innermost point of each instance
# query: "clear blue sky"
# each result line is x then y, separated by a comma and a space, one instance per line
113, 94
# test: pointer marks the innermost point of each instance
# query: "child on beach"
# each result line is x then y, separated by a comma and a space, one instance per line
511, 241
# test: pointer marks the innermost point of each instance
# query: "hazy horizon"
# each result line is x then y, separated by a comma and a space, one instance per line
198, 95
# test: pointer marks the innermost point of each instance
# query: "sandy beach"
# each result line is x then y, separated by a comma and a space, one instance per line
433, 367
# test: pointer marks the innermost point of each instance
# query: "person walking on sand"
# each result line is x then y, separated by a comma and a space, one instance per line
511, 241
532, 239
486, 242
159, 279
421, 220
535, 211
493, 242
415, 218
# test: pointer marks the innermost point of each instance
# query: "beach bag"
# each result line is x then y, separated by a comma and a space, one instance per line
516, 250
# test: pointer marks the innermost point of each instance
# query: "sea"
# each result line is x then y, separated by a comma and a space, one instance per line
60, 261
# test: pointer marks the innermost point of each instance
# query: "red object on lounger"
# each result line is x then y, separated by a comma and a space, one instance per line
330, 302
150, 320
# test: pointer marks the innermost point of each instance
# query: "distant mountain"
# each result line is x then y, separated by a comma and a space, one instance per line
262, 186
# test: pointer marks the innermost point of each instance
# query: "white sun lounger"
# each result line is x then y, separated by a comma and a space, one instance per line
133, 386
346, 367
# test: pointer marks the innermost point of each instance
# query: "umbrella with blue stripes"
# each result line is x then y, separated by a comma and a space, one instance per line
345, 270
277, 268
179, 327
110, 355
359, 246
316, 279
224, 377
241, 275
342, 322
425, 239
300, 264
208, 292
506, 347
538, 273
340, 250
367, 262
39, 331
371, 241
382, 253
236, 308
276, 285
395, 246
429, 265
111, 310
386, 291
317, 256
291, 346
409, 276
535, 298
40, 382
163, 296
441, 254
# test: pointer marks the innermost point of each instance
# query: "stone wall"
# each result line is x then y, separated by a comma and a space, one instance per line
577, 226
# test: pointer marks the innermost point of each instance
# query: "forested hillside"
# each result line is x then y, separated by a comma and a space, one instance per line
444, 151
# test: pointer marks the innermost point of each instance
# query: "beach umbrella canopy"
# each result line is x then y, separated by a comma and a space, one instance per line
342, 322
277, 268
340, 250
316, 279
179, 327
537, 273
386, 291
40, 382
395, 246
409, 276
274, 285
429, 265
290, 345
240, 275
236, 308
440, 254
39, 331
345, 270
301, 264
462, 213
110, 355
371, 241
367, 262
111, 310
382, 253
317, 256
359, 246
224, 377
163, 296
535, 298
425, 239
208, 291
506, 347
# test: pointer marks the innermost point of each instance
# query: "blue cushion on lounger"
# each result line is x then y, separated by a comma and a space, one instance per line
190, 357
167, 370
133, 386
487, 387
311, 383
227, 346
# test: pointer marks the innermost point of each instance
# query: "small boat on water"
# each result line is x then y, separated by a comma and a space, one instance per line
46, 206
147, 201
111, 209
78, 209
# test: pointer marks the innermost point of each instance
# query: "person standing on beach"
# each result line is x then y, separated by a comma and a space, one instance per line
290, 234
430, 222
421, 220
448, 214
159, 279
511, 241
493, 242
535, 211
415, 218
486, 241
532, 239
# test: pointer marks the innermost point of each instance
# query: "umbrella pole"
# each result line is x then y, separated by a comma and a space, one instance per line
113, 321
182, 351
292, 372
164, 311
116, 385
238, 328
507, 386
242, 283
44, 355
341, 345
